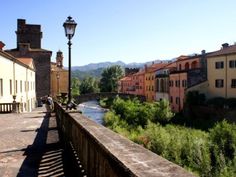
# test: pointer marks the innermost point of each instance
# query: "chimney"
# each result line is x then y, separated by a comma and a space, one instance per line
225, 45
203, 52
1, 45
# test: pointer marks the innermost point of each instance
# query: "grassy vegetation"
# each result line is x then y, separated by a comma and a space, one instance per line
210, 153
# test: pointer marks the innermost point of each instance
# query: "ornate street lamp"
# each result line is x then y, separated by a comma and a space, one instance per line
69, 26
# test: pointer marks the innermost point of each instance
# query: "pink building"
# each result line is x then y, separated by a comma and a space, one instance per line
138, 81
180, 79
125, 85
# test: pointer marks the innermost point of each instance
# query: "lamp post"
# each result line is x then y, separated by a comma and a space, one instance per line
69, 26
58, 86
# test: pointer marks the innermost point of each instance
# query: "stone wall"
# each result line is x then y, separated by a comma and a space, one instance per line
104, 153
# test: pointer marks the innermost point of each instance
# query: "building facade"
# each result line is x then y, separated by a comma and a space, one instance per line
150, 80
17, 81
59, 77
189, 72
162, 81
221, 71
29, 46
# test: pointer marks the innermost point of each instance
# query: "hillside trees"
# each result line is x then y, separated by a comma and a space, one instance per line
110, 77
88, 85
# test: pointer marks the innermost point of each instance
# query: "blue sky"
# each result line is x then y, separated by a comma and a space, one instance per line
126, 30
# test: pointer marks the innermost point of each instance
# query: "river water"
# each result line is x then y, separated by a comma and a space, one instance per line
92, 110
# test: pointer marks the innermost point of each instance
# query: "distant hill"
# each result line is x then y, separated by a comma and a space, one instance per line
94, 66
95, 69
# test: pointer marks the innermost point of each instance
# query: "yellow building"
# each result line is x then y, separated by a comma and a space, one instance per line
221, 72
59, 77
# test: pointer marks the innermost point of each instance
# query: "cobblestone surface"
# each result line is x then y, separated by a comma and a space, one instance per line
30, 146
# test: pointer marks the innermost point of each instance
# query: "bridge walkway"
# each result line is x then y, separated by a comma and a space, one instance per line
30, 146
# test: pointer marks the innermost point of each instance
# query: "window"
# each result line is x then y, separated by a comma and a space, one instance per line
219, 83
219, 65
10, 87
233, 83
184, 83
177, 83
232, 63
171, 99
1, 87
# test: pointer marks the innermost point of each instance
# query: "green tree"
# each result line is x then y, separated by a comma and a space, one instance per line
88, 85
163, 111
75, 86
110, 77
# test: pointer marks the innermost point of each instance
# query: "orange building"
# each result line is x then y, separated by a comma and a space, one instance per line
150, 74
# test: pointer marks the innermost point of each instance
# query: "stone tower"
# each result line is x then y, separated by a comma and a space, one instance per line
59, 59
29, 45
28, 34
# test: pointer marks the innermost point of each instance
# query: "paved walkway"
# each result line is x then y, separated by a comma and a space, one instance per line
30, 146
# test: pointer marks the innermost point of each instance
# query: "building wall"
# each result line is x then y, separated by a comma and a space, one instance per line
22, 84
150, 86
202, 88
138, 81
59, 82
226, 74
177, 90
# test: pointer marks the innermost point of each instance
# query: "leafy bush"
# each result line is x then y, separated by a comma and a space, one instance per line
223, 138
208, 154
163, 111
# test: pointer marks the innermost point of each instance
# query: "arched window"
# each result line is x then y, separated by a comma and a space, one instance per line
186, 66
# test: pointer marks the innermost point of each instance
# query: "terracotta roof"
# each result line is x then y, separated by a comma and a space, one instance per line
170, 65
125, 79
182, 57
224, 51
12, 58
156, 67
27, 61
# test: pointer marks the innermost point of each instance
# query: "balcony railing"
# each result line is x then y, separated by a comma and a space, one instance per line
9, 107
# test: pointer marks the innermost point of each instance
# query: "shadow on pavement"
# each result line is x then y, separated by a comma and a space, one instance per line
46, 156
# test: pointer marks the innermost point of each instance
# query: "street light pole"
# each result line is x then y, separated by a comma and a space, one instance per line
69, 26
69, 78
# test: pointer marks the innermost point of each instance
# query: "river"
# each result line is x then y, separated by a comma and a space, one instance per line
92, 110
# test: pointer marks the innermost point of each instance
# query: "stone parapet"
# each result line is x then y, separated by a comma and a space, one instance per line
104, 153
